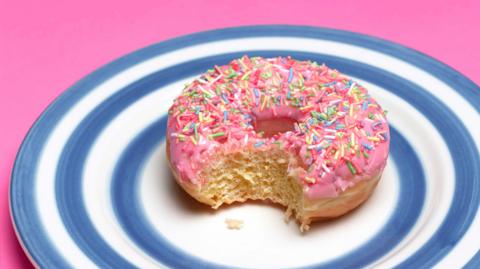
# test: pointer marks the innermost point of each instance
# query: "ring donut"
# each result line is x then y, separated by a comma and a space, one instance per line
294, 132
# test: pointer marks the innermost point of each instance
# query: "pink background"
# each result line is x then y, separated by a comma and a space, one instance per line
45, 46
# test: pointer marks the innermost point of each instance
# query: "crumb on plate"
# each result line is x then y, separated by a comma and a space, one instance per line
234, 224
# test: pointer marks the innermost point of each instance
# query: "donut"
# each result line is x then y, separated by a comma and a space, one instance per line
292, 132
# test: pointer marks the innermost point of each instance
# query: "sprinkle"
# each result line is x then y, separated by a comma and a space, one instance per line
308, 139
231, 74
240, 61
330, 111
225, 115
266, 75
195, 128
336, 155
197, 110
351, 87
215, 80
322, 116
306, 107
208, 120
208, 94
316, 133
185, 128
351, 168
258, 144
317, 146
384, 135
342, 150
325, 168
246, 75
177, 135
367, 146
373, 138
193, 140
365, 154
310, 180
264, 102
216, 135
334, 102
245, 140
300, 77
278, 143
290, 75
364, 105
255, 91
224, 97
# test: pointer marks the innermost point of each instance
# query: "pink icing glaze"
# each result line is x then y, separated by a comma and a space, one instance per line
341, 135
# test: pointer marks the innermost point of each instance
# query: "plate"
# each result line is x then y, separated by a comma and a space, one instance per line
91, 187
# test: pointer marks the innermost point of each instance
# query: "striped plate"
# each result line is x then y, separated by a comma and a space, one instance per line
91, 187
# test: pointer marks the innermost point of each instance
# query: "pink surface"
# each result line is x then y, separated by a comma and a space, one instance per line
45, 46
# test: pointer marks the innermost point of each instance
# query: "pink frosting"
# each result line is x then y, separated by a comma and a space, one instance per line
340, 136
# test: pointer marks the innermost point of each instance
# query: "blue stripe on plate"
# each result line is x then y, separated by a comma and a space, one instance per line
474, 263
129, 212
22, 199
438, 113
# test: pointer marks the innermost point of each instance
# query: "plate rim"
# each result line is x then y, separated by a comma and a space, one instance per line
442, 71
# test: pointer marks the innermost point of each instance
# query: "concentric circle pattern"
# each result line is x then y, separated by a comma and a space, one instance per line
91, 186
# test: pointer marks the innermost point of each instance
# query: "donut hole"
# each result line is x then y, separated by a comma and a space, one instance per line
273, 126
